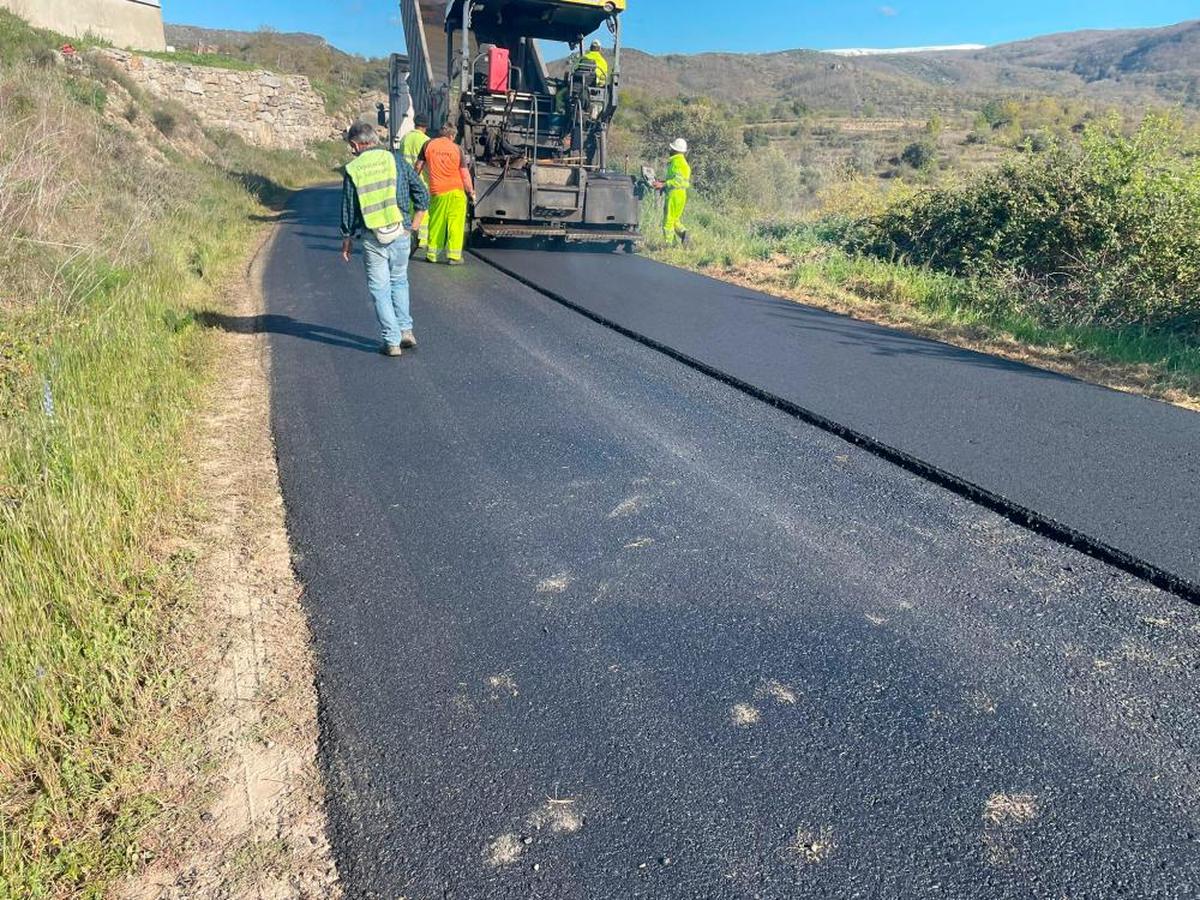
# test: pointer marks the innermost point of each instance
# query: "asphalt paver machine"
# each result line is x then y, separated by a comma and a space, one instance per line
537, 145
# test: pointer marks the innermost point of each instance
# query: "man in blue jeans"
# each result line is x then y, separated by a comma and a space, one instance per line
378, 189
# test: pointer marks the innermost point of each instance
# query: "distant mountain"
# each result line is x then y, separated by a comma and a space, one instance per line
894, 51
1108, 55
1134, 67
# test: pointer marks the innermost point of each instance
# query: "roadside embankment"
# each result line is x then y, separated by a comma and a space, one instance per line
120, 217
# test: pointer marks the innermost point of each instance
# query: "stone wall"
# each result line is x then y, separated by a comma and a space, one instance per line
126, 23
265, 109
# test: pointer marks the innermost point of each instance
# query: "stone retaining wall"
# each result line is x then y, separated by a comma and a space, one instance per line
263, 108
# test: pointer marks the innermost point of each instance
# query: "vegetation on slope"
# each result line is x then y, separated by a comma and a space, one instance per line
112, 231
1105, 232
1086, 248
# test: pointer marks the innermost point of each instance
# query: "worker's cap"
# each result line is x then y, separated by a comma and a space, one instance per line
679, 145
596, 45
420, 120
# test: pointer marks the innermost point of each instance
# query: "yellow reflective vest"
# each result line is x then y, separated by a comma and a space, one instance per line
374, 175
595, 56
411, 146
679, 174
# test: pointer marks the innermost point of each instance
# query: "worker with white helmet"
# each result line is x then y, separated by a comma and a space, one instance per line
677, 184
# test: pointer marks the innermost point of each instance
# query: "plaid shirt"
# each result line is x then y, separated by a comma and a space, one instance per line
411, 194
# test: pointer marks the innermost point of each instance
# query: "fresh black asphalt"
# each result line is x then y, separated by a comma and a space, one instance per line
1108, 469
591, 624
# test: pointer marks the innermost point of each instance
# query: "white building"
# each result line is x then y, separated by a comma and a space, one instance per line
134, 24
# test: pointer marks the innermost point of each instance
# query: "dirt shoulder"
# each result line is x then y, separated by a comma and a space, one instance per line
246, 802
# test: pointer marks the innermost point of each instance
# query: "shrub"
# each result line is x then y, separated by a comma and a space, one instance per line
165, 121
1107, 232
919, 155
87, 92
755, 138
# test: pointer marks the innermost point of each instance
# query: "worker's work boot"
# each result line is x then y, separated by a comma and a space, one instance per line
454, 262
391, 350
685, 238
408, 340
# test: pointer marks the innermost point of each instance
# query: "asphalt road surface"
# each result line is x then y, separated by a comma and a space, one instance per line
591, 624
1107, 469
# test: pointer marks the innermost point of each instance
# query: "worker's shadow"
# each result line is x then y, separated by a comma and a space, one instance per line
286, 325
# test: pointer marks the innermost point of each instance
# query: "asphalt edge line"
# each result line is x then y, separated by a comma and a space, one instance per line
1026, 518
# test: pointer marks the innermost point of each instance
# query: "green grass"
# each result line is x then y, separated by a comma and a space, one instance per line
92, 469
212, 60
807, 263
102, 369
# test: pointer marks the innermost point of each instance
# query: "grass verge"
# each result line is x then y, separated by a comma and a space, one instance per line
800, 262
110, 239
191, 58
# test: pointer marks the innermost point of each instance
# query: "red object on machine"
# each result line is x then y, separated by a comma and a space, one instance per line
498, 70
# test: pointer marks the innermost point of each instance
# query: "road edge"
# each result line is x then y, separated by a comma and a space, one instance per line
246, 806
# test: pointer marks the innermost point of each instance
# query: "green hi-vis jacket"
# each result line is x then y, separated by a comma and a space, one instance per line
374, 175
411, 146
679, 174
595, 56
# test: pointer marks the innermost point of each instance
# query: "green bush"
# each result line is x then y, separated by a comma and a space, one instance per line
919, 155
1106, 232
87, 92
755, 138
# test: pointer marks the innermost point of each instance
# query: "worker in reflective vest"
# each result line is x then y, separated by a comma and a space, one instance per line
596, 56
677, 184
450, 185
411, 146
378, 189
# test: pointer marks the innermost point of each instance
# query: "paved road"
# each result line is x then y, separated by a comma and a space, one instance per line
1109, 468
591, 624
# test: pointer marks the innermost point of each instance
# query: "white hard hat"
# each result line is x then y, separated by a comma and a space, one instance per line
679, 145
596, 45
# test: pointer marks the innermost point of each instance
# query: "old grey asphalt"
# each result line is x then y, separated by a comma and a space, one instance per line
591, 624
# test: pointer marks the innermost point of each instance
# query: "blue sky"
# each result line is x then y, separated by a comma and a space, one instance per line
689, 26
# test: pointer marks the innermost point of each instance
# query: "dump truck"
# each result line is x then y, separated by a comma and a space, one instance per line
536, 142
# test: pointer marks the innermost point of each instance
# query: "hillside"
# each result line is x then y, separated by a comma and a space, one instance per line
1134, 67
1108, 55
1129, 68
